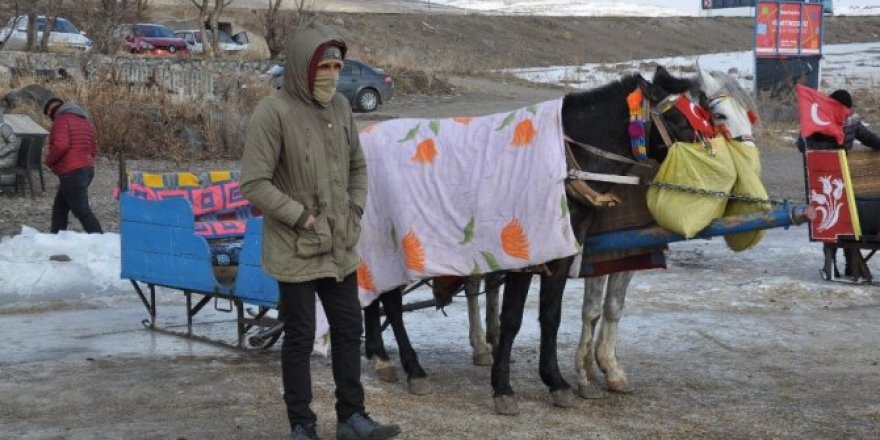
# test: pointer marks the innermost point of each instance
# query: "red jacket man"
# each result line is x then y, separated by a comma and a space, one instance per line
72, 142
71, 156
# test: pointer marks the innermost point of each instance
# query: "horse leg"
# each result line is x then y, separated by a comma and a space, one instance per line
416, 378
594, 288
482, 352
516, 289
549, 315
606, 346
374, 347
492, 283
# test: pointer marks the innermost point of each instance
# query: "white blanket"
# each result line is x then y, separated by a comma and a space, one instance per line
463, 195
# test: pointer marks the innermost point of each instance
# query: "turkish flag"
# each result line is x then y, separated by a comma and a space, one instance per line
820, 113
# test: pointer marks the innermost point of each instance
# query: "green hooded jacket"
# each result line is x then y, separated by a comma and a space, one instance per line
303, 157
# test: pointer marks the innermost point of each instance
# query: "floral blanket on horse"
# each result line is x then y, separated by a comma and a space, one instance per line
463, 196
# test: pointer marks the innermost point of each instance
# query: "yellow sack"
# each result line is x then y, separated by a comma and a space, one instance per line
748, 183
692, 165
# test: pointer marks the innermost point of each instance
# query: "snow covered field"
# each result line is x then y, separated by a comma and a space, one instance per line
852, 66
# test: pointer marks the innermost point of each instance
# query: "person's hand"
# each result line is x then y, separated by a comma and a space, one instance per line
309, 224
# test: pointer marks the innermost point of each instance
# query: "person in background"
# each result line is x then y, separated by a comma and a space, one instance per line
303, 167
9, 144
868, 208
71, 156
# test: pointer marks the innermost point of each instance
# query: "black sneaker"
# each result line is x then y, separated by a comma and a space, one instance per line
304, 432
361, 427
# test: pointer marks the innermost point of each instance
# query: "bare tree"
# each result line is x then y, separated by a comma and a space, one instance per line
219, 6
278, 24
99, 18
51, 11
203, 6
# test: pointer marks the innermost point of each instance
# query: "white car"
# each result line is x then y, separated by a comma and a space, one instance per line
193, 38
64, 34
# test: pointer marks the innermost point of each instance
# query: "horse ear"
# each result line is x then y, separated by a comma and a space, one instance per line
711, 86
653, 92
661, 72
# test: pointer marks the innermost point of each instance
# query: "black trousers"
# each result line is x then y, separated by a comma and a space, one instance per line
73, 195
296, 307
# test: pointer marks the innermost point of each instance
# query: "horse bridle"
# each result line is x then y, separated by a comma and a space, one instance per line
582, 192
717, 99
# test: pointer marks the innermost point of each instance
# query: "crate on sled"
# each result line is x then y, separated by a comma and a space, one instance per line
194, 232
839, 183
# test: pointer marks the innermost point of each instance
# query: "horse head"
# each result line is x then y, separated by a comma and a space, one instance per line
602, 119
733, 110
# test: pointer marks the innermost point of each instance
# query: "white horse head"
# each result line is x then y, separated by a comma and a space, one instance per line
733, 109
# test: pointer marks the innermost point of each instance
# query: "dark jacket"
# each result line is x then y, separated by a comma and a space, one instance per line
853, 130
72, 143
301, 157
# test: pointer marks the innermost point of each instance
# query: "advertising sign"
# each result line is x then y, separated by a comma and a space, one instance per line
721, 4
783, 28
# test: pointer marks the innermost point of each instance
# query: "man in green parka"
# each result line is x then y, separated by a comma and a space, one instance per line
304, 169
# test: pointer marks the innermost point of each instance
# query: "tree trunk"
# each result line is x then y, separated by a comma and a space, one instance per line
47, 31
31, 31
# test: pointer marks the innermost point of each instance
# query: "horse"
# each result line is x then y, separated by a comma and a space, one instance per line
578, 115
583, 112
733, 113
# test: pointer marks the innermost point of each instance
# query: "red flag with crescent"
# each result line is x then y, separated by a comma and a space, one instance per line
820, 114
697, 116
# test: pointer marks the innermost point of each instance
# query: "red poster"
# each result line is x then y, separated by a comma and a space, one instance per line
765, 31
789, 27
811, 32
830, 197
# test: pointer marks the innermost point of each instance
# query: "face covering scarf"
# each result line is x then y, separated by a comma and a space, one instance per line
325, 88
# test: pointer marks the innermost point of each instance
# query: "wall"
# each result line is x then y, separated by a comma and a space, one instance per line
183, 77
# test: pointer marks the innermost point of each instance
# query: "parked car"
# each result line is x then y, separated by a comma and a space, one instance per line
64, 34
365, 87
150, 39
193, 39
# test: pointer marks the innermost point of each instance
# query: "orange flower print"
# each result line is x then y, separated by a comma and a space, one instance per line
514, 240
365, 277
426, 151
369, 129
464, 120
524, 134
413, 253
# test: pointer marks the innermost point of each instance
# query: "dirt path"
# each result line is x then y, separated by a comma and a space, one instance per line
744, 351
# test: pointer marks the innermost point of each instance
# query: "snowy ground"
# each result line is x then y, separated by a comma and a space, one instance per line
651, 8
851, 66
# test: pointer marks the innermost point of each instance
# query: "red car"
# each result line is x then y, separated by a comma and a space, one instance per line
150, 39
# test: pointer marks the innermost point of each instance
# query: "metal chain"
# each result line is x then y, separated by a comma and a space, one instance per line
718, 194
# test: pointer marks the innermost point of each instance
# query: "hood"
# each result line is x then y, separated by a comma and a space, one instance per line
301, 63
71, 108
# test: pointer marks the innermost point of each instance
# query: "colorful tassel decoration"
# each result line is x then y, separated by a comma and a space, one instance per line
636, 127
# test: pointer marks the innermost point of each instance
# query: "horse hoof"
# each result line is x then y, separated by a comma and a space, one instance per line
562, 398
419, 386
506, 405
620, 386
387, 374
590, 391
483, 359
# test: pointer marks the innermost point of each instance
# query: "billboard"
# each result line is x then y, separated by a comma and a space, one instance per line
788, 28
721, 4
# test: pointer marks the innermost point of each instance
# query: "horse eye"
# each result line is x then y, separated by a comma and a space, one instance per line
718, 116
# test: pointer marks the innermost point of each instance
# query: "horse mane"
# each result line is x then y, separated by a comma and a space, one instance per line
614, 90
735, 90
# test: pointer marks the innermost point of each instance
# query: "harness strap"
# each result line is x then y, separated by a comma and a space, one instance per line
602, 153
580, 191
661, 127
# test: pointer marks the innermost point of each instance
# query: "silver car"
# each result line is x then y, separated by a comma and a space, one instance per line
64, 35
